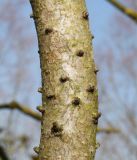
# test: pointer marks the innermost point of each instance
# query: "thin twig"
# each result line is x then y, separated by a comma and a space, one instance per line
22, 108
127, 11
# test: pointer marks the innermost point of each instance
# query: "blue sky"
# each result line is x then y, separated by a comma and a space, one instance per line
100, 12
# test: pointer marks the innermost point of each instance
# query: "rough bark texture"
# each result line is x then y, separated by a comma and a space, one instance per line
69, 93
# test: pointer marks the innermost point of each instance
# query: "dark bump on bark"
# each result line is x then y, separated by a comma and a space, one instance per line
38, 51
85, 15
99, 114
93, 37
95, 121
48, 31
47, 72
40, 90
31, 15
64, 79
51, 96
96, 71
76, 101
97, 145
56, 129
36, 150
80, 53
40, 109
95, 118
91, 89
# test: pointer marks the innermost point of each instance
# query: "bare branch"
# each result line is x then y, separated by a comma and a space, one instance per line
108, 130
127, 11
23, 109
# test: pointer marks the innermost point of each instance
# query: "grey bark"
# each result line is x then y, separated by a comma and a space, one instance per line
69, 88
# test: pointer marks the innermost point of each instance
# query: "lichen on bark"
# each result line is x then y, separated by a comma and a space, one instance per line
68, 130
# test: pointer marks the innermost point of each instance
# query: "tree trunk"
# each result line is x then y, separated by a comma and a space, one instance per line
69, 88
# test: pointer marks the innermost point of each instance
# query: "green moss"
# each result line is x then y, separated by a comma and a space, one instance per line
88, 106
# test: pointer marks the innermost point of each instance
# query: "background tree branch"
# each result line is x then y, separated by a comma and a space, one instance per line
127, 11
108, 130
22, 108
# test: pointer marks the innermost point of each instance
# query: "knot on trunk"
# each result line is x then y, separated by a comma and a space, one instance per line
85, 15
56, 129
41, 109
48, 31
40, 90
80, 53
76, 101
91, 89
50, 96
95, 118
96, 70
36, 150
63, 79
